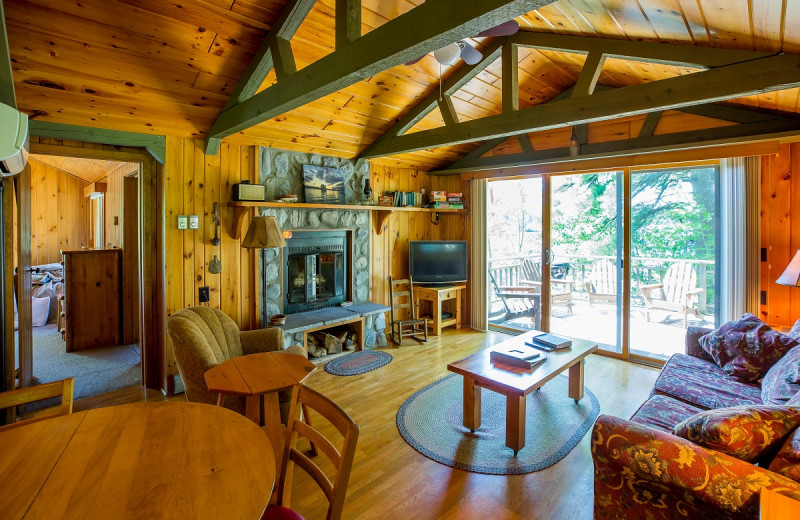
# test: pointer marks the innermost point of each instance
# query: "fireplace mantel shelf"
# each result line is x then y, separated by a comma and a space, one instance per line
241, 208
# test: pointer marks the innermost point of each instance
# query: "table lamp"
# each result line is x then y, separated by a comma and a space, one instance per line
263, 233
791, 275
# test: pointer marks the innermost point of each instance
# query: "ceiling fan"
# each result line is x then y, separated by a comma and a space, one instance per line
449, 54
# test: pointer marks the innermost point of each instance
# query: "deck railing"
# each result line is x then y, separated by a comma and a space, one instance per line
644, 270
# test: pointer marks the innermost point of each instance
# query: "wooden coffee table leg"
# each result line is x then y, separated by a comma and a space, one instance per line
472, 404
576, 381
515, 422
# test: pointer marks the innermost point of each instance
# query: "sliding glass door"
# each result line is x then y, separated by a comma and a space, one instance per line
623, 258
514, 240
586, 238
674, 230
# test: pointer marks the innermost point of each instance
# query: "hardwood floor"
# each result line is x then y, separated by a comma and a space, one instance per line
390, 480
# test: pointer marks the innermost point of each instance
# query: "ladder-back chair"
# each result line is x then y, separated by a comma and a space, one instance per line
404, 299
64, 389
335, 491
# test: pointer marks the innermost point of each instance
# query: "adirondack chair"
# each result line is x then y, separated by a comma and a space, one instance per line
518, 301
560, 290
678, 290
602, 283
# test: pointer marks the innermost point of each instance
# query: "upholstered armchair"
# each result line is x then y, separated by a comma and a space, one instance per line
203, 337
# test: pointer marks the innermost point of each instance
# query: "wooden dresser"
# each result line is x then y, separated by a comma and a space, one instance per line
92, 298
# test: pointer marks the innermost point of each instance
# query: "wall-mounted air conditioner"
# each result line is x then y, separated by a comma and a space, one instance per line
13, 140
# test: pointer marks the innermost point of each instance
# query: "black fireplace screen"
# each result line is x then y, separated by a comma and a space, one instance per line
315, 270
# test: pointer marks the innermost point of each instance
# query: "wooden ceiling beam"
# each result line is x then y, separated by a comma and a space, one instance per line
650, 52
735, 134
771, 73
510, 78
587, 81
348, 21
423, 29
7, 94
156, 145
274, 51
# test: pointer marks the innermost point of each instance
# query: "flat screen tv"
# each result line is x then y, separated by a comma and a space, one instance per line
437, 261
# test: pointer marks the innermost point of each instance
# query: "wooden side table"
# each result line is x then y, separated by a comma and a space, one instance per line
437, 296
775, 506
257, 377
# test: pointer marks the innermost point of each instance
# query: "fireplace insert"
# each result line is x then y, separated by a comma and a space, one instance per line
315, 270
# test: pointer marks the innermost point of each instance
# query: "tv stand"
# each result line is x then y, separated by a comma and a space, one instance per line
436, 296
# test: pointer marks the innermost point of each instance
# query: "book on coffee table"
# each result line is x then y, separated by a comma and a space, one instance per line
552, 342
517, 355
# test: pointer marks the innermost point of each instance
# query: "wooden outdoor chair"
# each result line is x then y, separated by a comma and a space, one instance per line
518, 301
405, 328
602, 283
560, 290
64, 389
334, 490
678, 290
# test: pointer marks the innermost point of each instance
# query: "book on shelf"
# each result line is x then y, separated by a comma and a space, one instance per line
517, 355
404, 198
552, 341
448, 205
437, 196
458, 195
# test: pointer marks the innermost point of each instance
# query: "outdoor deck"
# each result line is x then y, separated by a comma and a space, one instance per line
659, 338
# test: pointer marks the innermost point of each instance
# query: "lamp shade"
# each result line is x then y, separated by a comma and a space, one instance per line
263, 233
791, 275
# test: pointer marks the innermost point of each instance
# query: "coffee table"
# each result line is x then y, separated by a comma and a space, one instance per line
479, 371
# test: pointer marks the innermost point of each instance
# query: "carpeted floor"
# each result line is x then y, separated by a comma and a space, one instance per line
96, 371
431, 421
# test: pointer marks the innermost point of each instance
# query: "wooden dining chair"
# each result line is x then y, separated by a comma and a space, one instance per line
342, 460
65, 389
405, 328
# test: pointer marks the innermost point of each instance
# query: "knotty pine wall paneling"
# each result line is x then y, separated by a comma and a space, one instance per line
193, 183
780, 232
58, 213
113, 204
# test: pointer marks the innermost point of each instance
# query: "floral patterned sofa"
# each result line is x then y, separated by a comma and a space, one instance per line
644, 471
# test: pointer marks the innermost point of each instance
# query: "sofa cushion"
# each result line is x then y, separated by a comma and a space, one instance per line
703, 384
782, 381
749, 433
787, 461
664, 412
746, 348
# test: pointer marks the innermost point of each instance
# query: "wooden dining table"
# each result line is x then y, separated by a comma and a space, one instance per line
147, 460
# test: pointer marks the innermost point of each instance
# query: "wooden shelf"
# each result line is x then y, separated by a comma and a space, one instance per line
240, 209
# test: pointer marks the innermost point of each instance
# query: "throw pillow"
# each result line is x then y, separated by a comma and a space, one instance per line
787, 461
749, 433
746, 348
782, 381
40, 310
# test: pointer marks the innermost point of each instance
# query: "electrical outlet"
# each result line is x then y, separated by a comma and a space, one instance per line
204, 294
183, 222
194, 222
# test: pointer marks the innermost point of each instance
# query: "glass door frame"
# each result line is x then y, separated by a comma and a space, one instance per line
624, 305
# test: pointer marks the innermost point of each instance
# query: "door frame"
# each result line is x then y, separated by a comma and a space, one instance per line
152, 308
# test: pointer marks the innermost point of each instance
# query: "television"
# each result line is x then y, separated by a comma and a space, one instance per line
437, 261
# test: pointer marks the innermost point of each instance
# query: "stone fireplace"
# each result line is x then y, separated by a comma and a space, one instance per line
280, 171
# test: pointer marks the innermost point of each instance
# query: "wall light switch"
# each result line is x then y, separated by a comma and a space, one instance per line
183, 222
194, 222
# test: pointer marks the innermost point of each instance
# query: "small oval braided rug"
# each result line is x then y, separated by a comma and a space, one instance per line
358, 363
431, 421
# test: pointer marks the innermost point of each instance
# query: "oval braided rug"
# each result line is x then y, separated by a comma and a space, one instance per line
431, 422
358, 363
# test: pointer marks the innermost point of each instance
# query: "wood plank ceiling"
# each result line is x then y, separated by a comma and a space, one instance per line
168, 67
89, 170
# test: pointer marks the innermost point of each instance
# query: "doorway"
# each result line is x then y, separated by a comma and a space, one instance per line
82, 273
584, 228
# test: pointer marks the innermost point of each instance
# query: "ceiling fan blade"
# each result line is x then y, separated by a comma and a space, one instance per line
415, 60
470, 55
504, 29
